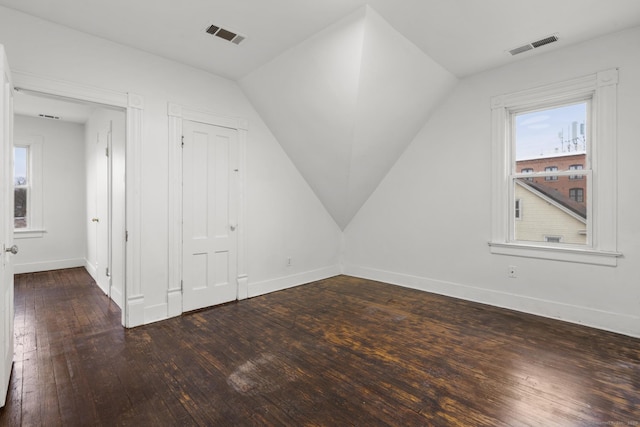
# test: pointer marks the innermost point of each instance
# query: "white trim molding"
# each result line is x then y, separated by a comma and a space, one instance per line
58, 264
177, 113
601, 89
133, 104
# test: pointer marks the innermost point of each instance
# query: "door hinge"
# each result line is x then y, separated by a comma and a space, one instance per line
181, 286
182, 140
106, 272
126, 235
106, 151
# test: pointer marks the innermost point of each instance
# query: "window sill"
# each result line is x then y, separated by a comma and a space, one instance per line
583, 256
28, 233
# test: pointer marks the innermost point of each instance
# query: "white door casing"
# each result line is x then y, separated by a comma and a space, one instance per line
6, 227
178, 115
209, 192
131, 290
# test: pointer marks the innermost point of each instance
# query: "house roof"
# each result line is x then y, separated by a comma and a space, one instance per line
577, 208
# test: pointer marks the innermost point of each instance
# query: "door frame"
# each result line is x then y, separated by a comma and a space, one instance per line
177, 114
133, 104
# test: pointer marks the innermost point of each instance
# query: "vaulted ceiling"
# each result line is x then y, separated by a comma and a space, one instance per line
342, 85
345, 103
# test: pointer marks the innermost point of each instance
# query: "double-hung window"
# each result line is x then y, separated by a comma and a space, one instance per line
568, 129
27, 185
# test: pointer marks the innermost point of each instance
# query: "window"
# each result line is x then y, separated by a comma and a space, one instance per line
27, 181
576, 194
21, 181
551, 169
575, 168
527, 170
553, 124
518, 214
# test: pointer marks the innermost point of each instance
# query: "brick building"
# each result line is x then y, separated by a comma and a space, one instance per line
573, 186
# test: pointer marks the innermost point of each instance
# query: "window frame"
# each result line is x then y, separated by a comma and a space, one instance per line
551, 177
576, 167
35, 210
601, 89
577, 191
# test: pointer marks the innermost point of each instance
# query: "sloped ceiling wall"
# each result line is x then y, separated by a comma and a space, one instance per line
345, 103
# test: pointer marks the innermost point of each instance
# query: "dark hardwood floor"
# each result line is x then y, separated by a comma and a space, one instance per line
338, 352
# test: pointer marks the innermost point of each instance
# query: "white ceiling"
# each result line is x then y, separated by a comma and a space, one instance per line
31, 105
334, 80
464, 36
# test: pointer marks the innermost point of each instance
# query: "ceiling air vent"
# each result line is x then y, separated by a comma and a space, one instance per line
225, 34
49, 116
533, 45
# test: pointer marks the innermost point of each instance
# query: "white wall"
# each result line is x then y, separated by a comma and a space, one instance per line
284, 217
428, 223
63, 178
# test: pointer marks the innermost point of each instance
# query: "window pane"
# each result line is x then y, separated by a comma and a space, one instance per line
20, 207
553, 215
20, 169
554, 132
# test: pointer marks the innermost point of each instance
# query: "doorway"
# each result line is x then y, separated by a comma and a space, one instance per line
81, 164
129, 168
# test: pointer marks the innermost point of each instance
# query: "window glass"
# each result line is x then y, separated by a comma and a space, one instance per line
551, 132
552, 141
21, 186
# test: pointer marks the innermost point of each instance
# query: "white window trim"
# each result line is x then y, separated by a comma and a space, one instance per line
35, 209
601, 88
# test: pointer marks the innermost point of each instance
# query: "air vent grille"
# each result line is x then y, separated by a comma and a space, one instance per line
49, 116
520, 49
225, 34
545, 41
533, 45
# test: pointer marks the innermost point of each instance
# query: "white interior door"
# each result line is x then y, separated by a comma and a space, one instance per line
210, 212
103, 210
6, 228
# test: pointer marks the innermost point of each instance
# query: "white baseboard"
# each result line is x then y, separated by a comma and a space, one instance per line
91, 269
273, 285
600, 319
34, 267
135, 311
155, 313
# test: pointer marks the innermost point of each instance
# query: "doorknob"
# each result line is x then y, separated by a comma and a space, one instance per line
13, 249
95, 219
232, 227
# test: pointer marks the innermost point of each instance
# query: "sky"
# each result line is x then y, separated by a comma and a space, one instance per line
20, 162
537, 133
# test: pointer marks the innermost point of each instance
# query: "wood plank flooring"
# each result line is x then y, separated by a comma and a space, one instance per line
338, 352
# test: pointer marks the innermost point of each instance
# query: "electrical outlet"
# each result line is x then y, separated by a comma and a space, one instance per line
512, 272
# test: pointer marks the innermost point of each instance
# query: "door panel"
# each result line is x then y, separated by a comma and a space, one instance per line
6, 228
209, 254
